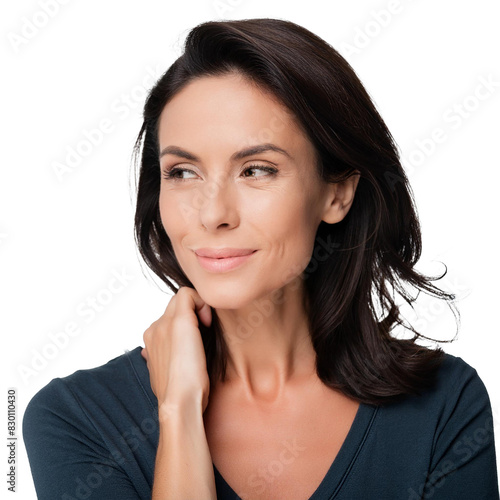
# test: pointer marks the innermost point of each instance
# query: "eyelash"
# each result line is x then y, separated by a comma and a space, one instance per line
170, 174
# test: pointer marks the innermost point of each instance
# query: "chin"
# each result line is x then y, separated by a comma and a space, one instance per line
224, 295
224, 300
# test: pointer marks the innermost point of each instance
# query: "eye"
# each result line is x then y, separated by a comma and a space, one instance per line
264, 168
173, 173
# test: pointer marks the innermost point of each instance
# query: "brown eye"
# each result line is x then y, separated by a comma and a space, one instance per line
271, 171
173, 173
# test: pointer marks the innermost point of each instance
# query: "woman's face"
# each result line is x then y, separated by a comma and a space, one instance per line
269, 201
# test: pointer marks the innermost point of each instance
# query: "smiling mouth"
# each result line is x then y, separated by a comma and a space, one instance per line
223, 253
223, 264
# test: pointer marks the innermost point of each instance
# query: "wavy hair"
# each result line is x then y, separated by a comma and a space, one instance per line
351, 291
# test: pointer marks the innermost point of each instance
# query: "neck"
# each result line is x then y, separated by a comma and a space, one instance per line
276, 353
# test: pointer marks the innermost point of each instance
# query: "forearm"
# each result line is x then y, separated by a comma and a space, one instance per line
183, 467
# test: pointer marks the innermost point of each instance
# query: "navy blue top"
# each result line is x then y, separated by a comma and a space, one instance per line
94, 434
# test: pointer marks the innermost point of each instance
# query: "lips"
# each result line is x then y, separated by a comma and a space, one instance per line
226, 263
223, 253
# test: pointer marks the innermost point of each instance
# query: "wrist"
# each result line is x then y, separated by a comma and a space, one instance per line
185, 407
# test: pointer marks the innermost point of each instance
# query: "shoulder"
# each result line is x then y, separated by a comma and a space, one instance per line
72, 398
455, 367
457, 392
94, 423
457, 400
460, 399
459, 428
456, 381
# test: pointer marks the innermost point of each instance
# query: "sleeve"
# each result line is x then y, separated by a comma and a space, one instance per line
464, 462
68, 460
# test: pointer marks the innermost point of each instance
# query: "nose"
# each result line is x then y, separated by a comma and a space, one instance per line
219, 207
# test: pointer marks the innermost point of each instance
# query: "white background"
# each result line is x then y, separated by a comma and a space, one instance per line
61, 238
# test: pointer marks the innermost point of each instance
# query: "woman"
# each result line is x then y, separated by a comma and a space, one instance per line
271, 193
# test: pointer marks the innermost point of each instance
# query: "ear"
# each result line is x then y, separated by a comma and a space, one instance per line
339, 198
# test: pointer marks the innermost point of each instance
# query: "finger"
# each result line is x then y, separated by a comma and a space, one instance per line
194, 303
144, 353
205, 314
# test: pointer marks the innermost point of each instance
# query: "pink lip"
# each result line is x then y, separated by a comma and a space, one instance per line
219, 265
223, 253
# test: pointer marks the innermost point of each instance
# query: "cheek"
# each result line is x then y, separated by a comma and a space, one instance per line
167, 216
176, 209
176, 229
180, 207
172, 218
290, 227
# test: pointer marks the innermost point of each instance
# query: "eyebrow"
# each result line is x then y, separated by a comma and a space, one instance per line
252, 150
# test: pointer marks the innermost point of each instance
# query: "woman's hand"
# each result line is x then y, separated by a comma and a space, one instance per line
174, 350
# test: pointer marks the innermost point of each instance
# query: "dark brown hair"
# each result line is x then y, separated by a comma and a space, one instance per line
370, 254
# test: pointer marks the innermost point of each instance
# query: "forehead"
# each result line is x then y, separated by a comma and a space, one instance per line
231, 109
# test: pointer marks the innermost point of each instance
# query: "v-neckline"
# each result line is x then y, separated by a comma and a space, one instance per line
340, 467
